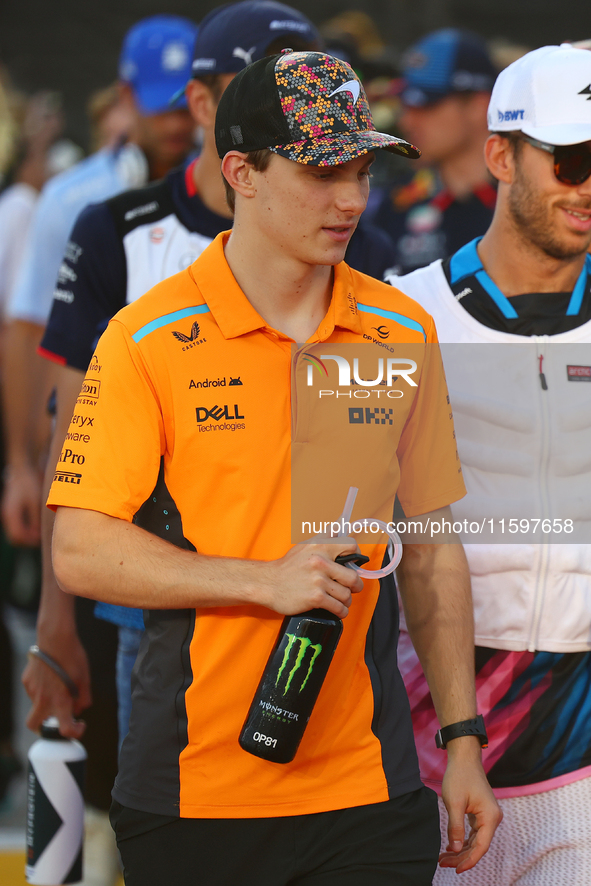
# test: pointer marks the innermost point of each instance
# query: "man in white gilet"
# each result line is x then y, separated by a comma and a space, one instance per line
523, 420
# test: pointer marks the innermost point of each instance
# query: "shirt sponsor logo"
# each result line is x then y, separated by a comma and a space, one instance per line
191, 340
141, 210
94, 365
215, 383
157, 235
76, 437
466, 291
72, 458
378, 416
578, 373
66, 274
63, 295
382, 331
72, 252
67, 477
223, 417
90, 389
82, 421
217, 413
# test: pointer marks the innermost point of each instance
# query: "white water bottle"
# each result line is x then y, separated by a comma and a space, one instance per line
55, 808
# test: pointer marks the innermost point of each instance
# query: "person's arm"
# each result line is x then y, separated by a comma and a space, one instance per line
26, 384
56, 625
434, 583
107, 558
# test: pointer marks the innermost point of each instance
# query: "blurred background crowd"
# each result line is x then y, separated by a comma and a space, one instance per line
68, 90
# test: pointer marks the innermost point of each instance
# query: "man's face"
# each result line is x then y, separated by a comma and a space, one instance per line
445, 128
554, 217
166, 138
309, 213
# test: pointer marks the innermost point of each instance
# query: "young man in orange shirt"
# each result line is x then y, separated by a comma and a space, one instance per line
180, 503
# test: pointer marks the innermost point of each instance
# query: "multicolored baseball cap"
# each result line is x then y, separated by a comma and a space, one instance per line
307, 106
237, 34
446, 62
156, 60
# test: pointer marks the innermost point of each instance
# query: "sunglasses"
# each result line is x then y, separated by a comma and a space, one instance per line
572, 163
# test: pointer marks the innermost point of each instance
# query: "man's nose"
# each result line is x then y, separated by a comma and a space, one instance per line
352, 196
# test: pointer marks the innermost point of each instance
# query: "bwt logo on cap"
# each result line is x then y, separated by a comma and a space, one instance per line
507, 116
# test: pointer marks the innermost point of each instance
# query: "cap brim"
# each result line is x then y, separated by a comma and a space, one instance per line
332, 150
155, 98
416, 97
560, 134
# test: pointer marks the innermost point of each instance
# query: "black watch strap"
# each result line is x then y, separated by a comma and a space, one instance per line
464, 727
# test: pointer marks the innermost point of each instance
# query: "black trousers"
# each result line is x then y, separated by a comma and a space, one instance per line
395, 843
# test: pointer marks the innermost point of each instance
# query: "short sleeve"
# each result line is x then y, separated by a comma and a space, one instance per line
111, 455
430, 470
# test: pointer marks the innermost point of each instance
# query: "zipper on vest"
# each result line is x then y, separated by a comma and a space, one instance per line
543, 381
544, 499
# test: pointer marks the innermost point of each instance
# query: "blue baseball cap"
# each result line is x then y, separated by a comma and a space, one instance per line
156, 60
446, 62
233, 36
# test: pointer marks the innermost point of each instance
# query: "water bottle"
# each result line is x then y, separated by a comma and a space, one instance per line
291, 681
55, 808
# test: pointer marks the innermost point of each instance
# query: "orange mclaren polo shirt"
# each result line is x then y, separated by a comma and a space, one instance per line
184, 424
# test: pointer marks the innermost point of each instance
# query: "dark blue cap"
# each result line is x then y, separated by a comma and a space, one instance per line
156, 59
233, 36
445, 62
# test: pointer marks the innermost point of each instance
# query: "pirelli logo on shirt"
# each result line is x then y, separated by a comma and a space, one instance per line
578, 373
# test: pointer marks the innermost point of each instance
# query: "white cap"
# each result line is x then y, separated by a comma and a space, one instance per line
546, 94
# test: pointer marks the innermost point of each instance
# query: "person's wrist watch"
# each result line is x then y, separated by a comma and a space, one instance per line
464, 727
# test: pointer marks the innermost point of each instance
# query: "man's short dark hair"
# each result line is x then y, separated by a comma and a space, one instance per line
260, 161
514, 139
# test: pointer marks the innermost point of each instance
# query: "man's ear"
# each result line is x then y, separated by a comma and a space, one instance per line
239, 173
499, 156
201, 103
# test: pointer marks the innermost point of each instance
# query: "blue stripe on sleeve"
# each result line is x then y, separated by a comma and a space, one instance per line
168, 318
392, 315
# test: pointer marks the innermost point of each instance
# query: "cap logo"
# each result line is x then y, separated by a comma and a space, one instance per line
288, 25
586, 91
351, 86
244, 54
175, 57
508, 116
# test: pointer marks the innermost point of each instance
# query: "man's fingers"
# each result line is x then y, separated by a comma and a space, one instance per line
479, 842
455, 829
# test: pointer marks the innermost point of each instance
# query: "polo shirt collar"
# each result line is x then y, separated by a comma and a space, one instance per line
234, 314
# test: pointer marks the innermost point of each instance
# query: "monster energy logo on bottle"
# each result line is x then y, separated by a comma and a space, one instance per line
305, 643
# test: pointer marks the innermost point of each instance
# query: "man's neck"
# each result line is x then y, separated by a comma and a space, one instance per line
208, 180
464, 172
290, 296
518, 266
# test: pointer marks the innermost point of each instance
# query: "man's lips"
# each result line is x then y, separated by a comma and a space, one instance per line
578, 218
340, 233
